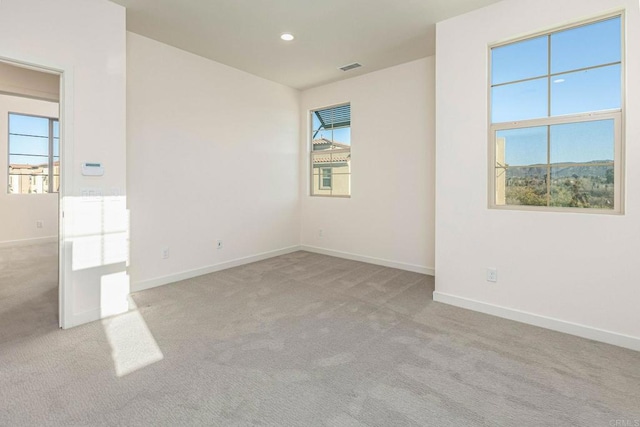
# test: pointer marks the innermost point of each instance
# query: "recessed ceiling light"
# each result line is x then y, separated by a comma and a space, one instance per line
287, 37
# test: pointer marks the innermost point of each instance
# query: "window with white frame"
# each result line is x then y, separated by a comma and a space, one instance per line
34, 154
331, 151
325, 179
556, 119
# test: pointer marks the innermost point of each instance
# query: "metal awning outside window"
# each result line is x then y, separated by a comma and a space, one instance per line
333, 118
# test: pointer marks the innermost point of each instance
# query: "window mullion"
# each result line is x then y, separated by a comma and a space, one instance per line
549, 115
548, 165
545, 121
549, 75
50, 172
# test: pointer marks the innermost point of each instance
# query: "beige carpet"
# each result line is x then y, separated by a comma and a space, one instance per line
297, 340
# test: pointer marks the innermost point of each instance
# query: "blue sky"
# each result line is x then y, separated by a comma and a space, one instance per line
572, 92
573, 142
36, 144
342, 135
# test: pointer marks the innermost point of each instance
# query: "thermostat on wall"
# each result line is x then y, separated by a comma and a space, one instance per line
92, 169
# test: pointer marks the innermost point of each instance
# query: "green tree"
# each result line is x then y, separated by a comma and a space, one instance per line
609, 176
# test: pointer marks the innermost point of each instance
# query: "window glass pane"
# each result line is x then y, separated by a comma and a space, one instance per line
342, 136
519, 101
28, 125
325, 179
525, 186
29, 154
316, 184
31, 161
320, 159
521, 147
331, 118
20, 183
28, 145
319, 144
327, 138
56, 129
583, 187
42, 184
56, 147
521, 172
341, 184
518, 61
330, 150
316, 125
24, 182
584, 91
586, 46
338, 135
583, 142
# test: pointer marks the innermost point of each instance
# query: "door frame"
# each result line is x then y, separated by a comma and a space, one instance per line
65, 193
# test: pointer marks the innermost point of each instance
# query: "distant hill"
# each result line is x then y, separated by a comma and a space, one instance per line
565, 171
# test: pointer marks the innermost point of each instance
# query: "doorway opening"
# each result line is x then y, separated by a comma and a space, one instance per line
30, 184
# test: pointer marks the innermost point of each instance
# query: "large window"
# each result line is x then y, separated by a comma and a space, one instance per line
34, 154
331, 151
556, 113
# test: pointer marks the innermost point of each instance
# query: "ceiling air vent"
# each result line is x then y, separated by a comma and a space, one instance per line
350, 66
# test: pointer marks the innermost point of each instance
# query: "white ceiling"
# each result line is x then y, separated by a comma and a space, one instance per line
245, 34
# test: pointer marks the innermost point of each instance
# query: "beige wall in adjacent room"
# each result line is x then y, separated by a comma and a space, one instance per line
19, 212
29, 83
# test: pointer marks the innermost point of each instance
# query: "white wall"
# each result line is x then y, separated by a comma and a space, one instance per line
389, 218
86, 39
212, 154
574, 272
20, 212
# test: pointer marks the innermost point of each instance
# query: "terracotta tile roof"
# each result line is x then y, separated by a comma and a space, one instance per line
326, 158
25, 166
324, 141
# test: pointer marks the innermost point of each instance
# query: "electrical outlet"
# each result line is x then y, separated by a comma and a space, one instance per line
39, 224
165, 253
492, 275
320, 233
219, 244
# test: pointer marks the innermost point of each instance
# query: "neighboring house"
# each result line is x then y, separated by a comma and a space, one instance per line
27, 179
331, 168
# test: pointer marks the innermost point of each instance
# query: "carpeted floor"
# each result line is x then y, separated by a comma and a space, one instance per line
297, 340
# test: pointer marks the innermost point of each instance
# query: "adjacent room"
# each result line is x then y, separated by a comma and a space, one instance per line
346, 213
30, 141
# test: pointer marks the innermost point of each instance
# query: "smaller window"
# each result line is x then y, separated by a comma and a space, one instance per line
331, 151
325, 181
34, 158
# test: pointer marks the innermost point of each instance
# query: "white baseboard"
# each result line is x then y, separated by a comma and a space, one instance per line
28, 242
570, 328
159, 281
371, 260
